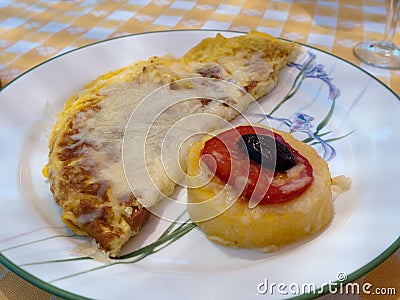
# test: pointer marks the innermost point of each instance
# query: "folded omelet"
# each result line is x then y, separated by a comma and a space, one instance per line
111, 157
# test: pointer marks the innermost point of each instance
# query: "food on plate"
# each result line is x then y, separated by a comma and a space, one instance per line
259, 188
103, 178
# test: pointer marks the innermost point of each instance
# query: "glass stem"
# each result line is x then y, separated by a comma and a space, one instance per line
392, 18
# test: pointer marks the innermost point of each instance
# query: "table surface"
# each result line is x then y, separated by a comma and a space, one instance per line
33, 31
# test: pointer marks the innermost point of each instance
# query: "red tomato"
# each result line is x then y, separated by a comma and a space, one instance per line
232, 164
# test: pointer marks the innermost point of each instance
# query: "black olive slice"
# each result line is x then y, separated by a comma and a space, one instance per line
268, 152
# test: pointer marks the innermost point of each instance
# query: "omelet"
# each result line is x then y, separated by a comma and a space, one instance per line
120, 145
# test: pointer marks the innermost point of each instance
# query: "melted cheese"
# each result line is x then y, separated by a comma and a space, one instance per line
153, 107
340, 184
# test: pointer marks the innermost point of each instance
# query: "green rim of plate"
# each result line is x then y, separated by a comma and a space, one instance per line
59, 292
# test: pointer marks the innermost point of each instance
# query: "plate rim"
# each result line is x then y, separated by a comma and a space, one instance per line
57, 291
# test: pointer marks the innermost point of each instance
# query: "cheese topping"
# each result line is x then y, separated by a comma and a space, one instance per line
150, 110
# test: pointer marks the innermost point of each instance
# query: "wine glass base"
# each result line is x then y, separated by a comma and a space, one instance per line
379, 54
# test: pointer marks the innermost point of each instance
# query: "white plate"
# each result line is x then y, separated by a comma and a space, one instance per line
364, 232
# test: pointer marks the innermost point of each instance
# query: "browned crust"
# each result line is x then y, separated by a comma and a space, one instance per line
84, 199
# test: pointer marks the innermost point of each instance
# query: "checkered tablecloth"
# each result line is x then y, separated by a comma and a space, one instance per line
32, 31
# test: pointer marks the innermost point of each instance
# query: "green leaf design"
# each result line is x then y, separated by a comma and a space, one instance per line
173, 233
295, 86
325, 121
335, 138
166, 237
37, 241
55, 261
309, 139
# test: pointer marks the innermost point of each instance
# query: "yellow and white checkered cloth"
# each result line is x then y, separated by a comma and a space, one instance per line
32, 31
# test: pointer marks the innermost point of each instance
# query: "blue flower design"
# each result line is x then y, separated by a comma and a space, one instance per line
308, 69
314, 70
302, 123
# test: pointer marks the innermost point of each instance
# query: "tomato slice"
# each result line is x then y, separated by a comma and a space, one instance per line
232, 165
